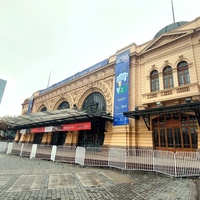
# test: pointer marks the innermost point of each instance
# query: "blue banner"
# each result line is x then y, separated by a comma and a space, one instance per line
2, 88
121, 88
30, 105
77, 75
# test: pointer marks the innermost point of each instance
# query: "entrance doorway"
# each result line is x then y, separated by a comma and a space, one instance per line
58, 138
94, 104
90, 139
93, 137
175, 132
38, 138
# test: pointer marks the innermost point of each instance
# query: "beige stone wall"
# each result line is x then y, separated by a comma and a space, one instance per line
76, 91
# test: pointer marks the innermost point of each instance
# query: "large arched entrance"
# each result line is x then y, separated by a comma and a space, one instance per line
175, 132
95, 103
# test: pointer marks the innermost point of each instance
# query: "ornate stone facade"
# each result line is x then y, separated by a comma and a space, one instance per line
169, 49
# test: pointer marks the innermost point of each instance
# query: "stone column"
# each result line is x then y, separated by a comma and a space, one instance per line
22, 138
69, 137
49, 138
17, 137
44, 138
28, 138
32, 137
75, 138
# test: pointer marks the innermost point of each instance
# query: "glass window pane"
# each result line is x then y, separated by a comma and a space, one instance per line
162, 138
154, 81
156, 138
170, 139
193, 137
186, 139
177, 137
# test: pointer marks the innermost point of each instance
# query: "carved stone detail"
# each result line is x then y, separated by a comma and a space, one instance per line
181, 58
166, 62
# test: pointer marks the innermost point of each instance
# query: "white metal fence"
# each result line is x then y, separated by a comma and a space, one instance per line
3, 147
95, 156
26, 150
65, 154
179, 164
139, 159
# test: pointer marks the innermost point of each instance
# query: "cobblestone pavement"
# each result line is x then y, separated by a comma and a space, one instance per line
23, 178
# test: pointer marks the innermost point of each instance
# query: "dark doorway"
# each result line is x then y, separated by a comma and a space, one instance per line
38, 138
58, 138
93, 137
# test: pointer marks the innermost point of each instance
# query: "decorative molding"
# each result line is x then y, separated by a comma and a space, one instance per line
166, 62
153, 67
181, 58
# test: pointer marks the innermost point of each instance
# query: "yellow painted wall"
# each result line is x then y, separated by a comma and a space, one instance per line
69, 139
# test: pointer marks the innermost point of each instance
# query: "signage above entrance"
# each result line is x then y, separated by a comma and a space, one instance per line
65, 127
38, 130
76, 127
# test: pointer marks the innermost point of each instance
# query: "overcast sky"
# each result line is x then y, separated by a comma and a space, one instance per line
68, 36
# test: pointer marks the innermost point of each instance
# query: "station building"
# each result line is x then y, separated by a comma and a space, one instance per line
144, 97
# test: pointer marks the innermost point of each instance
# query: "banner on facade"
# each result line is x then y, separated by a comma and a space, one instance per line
65, 127
23, 131
48, 129
30, 104
2, 88
77, 75
76, 127
121, 88
38, 130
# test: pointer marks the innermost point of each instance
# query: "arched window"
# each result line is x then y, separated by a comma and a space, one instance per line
154, 81
94, 102
168, 77
183, 73
63, 105
43, 109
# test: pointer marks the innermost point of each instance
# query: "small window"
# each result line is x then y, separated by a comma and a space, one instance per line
183, 73
63, 105
43, 109
168, 77
154, 81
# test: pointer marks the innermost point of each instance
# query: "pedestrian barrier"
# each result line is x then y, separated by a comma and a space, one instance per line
26, 150
80, 155
16, 149
43, 152
96, 156
117, 158
179, 164
3, 147
9, 149
139, 159
187, 164
33, 151
65, 154
164, 162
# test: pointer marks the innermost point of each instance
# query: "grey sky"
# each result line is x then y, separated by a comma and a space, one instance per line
67, 36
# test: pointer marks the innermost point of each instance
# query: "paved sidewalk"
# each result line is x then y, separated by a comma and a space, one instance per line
23, 178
